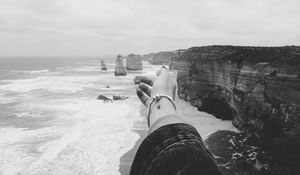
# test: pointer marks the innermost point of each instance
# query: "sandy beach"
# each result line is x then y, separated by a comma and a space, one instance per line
205, 124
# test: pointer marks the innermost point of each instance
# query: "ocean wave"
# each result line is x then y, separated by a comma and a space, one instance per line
27, 71
4, 99
90, 137
38, 71
52, 83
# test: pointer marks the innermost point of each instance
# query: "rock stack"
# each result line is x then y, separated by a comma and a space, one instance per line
134, 62
103, 65
120, 68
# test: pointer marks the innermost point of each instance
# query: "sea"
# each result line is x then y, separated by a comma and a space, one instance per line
52, 123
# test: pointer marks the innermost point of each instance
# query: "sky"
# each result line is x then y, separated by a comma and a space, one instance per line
104, 27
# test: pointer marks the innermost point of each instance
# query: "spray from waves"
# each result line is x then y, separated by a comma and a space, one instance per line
92, 146
88, 137
41, 71
51, 83
38, 71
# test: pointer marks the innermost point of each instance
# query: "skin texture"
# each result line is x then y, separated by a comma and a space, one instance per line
161, 112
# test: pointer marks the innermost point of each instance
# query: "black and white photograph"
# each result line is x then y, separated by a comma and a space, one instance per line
149, 87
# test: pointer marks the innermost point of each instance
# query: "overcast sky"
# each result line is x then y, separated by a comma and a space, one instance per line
97, 27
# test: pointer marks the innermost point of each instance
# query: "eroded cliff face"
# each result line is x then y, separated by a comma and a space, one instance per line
257, 87
134, 62
159, 58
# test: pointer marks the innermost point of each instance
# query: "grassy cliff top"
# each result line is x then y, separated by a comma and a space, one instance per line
286, 55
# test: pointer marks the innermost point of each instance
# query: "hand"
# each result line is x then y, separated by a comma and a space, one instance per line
162, 85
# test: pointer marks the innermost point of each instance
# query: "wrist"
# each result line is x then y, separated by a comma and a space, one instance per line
161, 106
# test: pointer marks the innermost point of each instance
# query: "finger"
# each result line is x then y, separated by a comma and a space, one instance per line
163, 79
145, 99
161, 69
144, 79
146, 88
147, 80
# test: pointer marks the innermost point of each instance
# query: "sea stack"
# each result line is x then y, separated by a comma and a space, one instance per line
134, 62
120, 68
103, 65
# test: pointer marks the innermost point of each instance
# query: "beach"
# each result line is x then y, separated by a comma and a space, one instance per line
205, 124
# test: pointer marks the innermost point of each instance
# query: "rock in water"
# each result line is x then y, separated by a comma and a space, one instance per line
118, 97
103, 65
134, 62
104, 98
120, 69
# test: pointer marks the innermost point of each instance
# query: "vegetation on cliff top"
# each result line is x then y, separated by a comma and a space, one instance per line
286, 55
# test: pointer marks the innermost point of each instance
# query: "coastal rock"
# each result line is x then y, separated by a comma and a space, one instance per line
104, 98
103, 65
118, 97
255, 87
120, 69
134, 62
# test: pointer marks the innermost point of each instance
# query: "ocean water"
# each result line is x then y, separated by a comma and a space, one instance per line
52, 123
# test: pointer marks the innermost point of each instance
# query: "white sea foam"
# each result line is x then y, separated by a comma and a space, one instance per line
13, 155
92, 137
39, 71
93, 145
4, 99
51, 83
86, 69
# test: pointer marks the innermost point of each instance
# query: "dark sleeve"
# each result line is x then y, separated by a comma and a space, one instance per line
174, 149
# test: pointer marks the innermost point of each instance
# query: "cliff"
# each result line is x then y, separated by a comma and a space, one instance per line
103, 65
134, 62
147, 57
159, 58
258, 88
120, 68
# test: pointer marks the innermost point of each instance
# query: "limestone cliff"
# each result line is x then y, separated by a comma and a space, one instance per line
257, 87
134, 62
147, 57
120, 68
160, 57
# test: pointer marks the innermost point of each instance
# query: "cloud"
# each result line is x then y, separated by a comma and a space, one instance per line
94, 27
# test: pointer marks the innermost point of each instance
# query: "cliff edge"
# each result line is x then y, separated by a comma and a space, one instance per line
258, 88
159, 58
